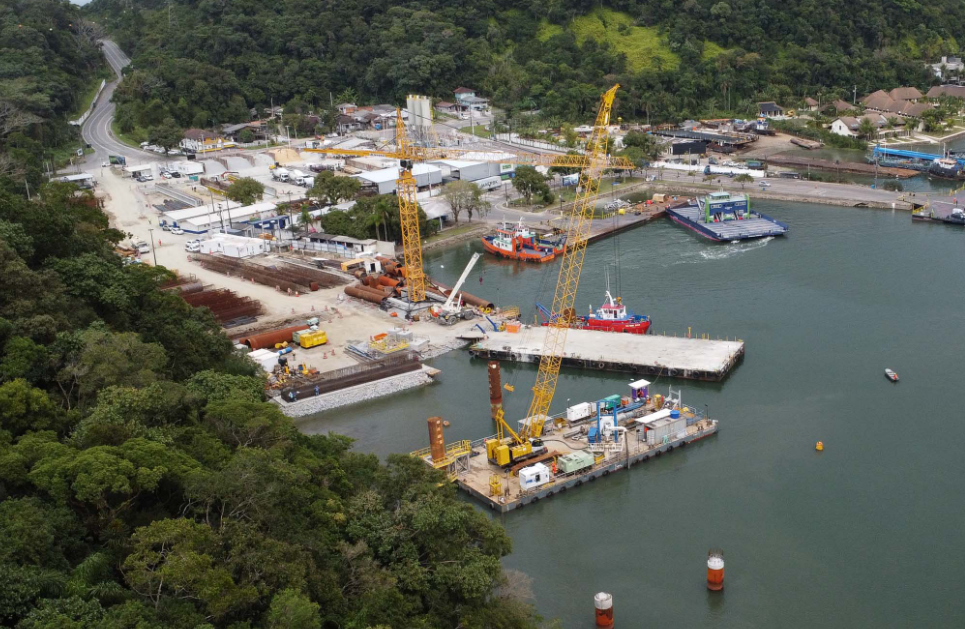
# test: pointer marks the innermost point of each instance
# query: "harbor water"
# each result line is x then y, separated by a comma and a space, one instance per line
866, 533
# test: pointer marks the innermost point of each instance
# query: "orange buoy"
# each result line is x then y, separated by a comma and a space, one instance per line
819, 446
603, 602
715, 570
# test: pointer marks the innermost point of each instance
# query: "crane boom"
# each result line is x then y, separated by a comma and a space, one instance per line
406, 188
521, 443
419, 153
564, 298
462, 280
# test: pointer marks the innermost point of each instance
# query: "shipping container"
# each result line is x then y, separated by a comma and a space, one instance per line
580, 411
666, 427
312, 339
533, 476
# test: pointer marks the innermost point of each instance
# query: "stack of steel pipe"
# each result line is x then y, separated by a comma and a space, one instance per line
365, 293
224, 304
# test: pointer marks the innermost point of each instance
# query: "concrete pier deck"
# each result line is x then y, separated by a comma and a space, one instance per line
678, 357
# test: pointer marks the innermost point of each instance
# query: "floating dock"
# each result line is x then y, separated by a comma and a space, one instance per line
576, 454
677, 357
689, 214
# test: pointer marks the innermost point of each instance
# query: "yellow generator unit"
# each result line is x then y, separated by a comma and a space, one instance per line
313, 339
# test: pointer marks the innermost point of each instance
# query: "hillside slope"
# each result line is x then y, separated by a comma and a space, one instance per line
206, 61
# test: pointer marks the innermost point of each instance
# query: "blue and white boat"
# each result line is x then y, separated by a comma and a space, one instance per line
725, 217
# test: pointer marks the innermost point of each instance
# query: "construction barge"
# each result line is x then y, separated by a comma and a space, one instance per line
651, 354
589, 441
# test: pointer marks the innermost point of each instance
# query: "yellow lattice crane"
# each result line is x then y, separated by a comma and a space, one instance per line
501, 450
408, 153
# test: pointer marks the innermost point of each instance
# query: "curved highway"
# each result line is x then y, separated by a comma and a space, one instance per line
97, 128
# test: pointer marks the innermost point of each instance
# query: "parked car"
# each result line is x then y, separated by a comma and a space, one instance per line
142, 247
176, 174
145, 145
166, 175
192, 246
177, 231
147, 177
165, 226
174, 151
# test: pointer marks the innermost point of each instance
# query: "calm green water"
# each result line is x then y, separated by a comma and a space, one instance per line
866, 534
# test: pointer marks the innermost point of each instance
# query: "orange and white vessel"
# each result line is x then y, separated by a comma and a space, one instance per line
521, 243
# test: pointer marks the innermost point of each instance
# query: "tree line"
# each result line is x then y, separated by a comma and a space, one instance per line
202, 62
50, 62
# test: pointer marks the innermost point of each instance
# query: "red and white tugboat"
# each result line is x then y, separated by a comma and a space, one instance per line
612, 316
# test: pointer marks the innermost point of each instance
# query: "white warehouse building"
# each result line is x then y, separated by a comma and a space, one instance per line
467, 170
385, 179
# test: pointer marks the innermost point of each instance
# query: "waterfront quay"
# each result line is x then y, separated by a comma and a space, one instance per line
650, 354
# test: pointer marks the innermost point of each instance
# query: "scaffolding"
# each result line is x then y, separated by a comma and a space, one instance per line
455, 461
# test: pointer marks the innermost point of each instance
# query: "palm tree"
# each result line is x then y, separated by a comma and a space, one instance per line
866, 129
910, 124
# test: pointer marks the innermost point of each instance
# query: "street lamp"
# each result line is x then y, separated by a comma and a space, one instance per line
151, 232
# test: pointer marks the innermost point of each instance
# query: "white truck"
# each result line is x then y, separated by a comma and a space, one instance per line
280, 174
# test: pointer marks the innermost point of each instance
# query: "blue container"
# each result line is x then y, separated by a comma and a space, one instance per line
592, 435
674, 414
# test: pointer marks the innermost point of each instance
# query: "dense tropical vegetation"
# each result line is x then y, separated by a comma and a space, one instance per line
50, 65
204, 61
144, 481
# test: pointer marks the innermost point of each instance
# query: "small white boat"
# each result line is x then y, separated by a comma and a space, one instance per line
891, 375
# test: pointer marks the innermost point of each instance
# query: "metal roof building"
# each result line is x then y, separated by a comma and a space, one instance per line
385, 179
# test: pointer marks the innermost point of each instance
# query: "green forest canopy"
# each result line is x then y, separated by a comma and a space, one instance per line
49, 62
146, 484
209, 61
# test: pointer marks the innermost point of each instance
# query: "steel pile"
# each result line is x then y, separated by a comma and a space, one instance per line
304, 386
283, 275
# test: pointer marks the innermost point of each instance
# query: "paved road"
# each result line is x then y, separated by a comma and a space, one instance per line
97, 128
817, 191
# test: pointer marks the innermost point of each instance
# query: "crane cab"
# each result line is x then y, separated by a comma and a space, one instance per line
505, 453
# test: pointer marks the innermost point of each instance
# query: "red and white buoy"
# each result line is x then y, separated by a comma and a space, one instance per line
715, 570
603, 602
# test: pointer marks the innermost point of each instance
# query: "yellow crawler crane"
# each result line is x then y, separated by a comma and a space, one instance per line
409, 153
520, 445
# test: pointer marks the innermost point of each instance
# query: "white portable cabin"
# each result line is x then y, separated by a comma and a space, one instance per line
234, 246
533, 476
82, 180
265, 358
134, 171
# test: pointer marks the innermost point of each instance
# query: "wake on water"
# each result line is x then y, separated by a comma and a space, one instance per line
721, 251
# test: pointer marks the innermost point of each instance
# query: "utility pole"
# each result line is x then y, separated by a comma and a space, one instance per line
153, 251
854, 99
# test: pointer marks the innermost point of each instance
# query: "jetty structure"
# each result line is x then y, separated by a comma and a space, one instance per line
650, 354
520, 463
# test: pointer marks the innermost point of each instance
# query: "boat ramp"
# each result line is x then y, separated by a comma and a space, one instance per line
677, 357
